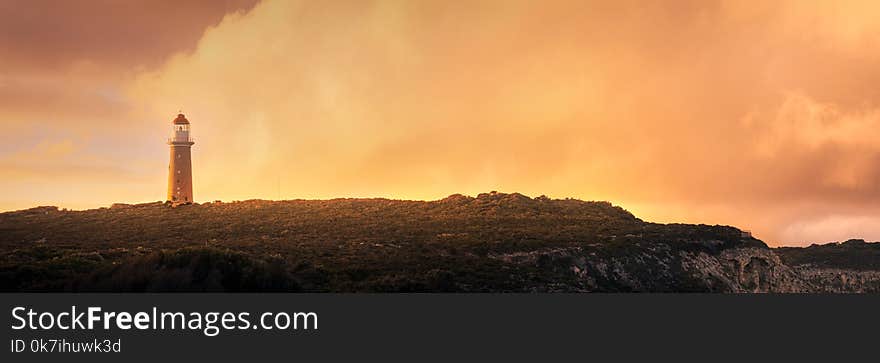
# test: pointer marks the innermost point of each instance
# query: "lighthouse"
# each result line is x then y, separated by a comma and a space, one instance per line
180, 165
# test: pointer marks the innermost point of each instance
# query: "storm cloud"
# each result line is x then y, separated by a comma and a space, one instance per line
734, 112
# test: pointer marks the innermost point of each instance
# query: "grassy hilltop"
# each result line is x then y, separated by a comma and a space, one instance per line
494, 242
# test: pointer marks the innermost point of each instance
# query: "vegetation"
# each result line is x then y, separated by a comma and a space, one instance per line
455, 244
854, 254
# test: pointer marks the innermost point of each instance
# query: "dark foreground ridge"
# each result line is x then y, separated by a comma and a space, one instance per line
495, 242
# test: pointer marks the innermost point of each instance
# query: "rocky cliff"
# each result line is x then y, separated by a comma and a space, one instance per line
494, 242
660, 269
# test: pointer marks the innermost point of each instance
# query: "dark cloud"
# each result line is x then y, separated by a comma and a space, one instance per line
757, 114
55, 33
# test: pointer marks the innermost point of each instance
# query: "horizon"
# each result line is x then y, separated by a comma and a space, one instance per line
753, 115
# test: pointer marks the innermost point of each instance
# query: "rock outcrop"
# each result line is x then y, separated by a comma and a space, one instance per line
494, 242
736, 270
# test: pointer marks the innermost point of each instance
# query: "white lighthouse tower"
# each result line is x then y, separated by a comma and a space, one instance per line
180, 166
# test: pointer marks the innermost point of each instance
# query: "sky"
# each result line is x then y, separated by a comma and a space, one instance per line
762, 115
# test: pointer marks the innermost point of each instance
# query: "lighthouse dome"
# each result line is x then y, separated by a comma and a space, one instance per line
181, 120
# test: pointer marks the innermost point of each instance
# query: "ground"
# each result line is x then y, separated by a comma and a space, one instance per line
495, 242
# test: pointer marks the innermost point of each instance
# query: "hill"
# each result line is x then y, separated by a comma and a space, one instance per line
495, 242
855, 254
831, 267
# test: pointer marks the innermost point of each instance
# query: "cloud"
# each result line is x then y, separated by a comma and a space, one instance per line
684, 105
834, 228
46, 34
747, 113
64, 71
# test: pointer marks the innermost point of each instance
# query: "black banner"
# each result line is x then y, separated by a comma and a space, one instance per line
416, 327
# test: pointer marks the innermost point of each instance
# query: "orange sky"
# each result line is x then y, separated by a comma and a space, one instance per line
757, 114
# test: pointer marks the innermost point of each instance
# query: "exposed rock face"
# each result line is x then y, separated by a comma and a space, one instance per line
737, 270
494, 242
760, 270
838, 280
